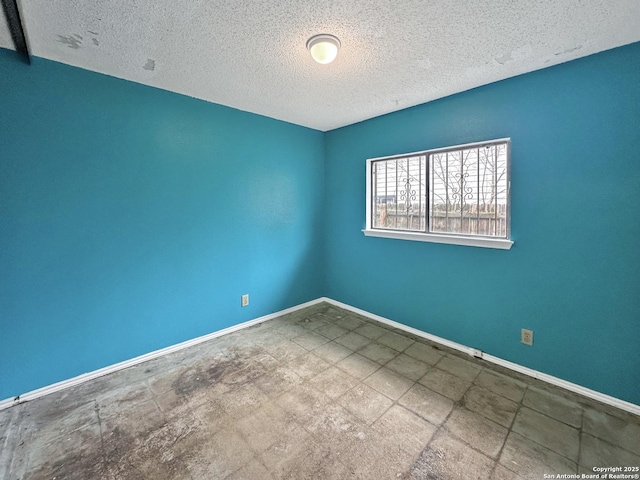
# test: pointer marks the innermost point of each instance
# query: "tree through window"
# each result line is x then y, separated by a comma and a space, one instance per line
458, 190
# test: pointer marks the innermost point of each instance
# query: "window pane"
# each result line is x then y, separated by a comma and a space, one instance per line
399, 193
468, 191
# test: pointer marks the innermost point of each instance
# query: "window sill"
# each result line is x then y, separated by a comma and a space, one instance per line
499, 243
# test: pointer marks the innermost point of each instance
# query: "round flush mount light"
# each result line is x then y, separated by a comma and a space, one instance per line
323, 48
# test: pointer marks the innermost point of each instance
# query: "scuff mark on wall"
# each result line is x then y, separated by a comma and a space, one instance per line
150, 65
504, 58
568, 50
70, 41
94, 40
517, 55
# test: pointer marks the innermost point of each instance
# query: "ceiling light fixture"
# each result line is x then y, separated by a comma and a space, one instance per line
323, 48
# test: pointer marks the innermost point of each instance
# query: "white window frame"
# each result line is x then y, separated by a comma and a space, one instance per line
452, 239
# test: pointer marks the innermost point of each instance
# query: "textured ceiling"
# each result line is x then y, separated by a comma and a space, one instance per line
251, 54
5, 36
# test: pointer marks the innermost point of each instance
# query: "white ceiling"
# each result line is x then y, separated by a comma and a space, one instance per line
251, 55
5, 36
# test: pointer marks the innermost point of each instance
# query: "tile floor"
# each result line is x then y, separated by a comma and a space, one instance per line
317, 394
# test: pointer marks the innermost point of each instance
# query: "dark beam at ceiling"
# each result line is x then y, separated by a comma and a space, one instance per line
12, 13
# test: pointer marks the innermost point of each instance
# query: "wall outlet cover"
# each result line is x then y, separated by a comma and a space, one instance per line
526, 337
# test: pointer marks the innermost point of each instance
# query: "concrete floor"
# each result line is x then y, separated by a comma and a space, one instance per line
317, 394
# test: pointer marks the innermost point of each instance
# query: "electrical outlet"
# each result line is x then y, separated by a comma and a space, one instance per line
526, 337
475, 352
245, 300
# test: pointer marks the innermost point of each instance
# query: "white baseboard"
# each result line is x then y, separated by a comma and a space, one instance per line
573, 387
56, 387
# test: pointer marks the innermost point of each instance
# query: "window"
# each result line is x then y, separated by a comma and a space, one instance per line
456, 195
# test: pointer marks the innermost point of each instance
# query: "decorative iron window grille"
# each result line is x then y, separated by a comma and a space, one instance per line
460, 190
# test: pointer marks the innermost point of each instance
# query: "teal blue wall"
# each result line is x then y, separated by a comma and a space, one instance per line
573, 275
132, 218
